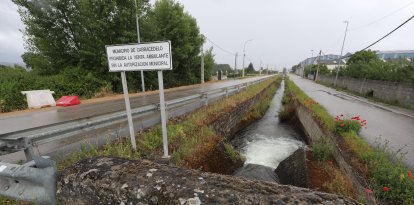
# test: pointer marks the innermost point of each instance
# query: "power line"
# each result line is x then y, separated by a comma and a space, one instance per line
382, 18
389, 33
226, 51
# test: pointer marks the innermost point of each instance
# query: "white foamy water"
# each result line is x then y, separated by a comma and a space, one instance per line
269, 151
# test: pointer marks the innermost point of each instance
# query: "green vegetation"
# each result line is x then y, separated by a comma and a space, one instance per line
222, 67
250, 69
7, 201
312, 69
68, 82
344, 124
260, 107
389, 178
366, 64
69, 37
231, 152
338, 182
293, 93
322, 149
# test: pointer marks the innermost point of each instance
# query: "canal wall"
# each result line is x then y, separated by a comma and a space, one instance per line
216, 157
402, 93
231, 122
314, 130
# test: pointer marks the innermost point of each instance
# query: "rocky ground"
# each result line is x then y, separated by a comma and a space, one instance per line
108, 180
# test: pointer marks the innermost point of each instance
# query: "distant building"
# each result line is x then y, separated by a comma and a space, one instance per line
331, 64
395, 55
330, 60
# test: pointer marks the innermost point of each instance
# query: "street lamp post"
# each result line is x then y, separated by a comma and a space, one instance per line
235, 66
244, 54
340, 57
311, 62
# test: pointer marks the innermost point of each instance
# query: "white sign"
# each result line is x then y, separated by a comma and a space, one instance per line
143, 56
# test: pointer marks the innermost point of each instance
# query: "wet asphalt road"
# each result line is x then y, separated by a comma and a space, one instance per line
43, 117
393, 124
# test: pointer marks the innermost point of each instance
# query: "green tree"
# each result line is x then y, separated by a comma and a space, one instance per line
168, 21
294, 68
323, 69
66, 34
250, 69
208, 63
74, 33
362, 56
223, 67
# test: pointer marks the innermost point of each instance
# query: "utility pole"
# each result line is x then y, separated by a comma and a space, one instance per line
202, 65
340, 57
244, 54
311, 62
139, 41
235, 66
260, 67
317, 70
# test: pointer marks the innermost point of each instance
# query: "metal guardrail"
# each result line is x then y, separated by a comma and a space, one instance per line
15, 142
35, 181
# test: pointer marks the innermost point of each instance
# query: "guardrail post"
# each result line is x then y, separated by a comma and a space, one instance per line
205, 98
227, 92
245, 86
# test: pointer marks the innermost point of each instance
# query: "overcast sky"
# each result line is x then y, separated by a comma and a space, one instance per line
283, 32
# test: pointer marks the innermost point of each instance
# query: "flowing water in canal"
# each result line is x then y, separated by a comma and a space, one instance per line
267, 142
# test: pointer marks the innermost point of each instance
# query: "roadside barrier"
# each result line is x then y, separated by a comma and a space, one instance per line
34, 181
39, 98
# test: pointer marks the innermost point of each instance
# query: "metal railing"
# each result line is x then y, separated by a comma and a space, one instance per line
19, 140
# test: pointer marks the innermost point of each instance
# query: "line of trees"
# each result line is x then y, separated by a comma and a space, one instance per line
69, 36
366, 64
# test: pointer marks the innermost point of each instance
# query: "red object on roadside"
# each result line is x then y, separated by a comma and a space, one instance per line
68, 101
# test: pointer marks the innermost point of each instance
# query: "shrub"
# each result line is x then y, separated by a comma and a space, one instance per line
343, 124
322, 149
231, 152
71, 81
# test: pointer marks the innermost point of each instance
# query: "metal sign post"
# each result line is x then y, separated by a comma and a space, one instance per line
128, 111
163, 115
142, 56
